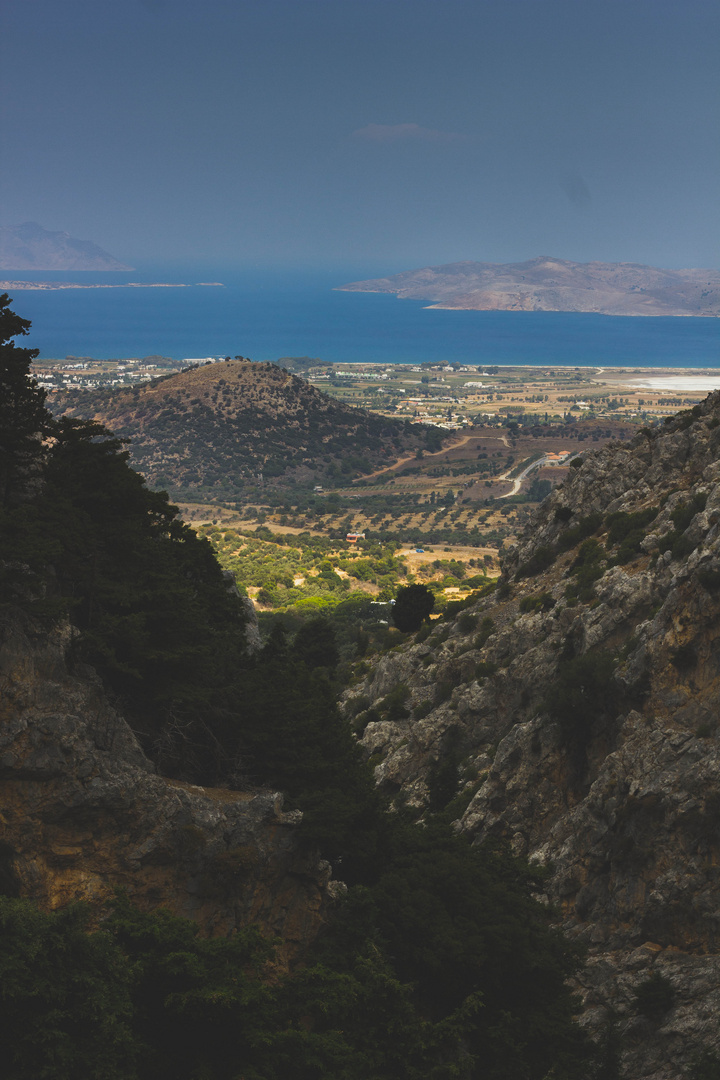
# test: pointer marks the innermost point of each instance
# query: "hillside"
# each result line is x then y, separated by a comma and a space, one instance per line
549, 284
215, 431
146, 737
575, 715
30, 247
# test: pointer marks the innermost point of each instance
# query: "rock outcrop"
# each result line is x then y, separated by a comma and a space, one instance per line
576, 713
83, 812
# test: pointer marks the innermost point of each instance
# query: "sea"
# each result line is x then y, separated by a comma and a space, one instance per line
268, 314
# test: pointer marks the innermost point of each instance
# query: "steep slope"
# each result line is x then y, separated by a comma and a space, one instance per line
575, 714
213, 430
30, 247
83, 810
549, 284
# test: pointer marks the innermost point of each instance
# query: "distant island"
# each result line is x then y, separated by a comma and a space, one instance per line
16, 286
31, 247
549, 284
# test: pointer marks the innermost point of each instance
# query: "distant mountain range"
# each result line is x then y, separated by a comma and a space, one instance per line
216, 430
30, 247
549, 284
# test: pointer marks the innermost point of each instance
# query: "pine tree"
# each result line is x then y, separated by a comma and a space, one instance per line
23, 416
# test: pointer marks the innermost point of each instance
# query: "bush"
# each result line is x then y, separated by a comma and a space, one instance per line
467, 622
709, 579
585, 527
393, 706
584, 691
540, 560
706, 1064
484, 669
487, 629
654, 997
541, 602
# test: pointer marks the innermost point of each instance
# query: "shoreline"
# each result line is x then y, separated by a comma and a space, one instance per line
52, 286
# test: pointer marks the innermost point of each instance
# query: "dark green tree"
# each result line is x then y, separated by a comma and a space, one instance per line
412, 606
64, 995
315, 644
23, 416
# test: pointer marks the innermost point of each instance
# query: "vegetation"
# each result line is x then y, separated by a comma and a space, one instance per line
439, 964
224, 427
475, 987
654, 996
412, 607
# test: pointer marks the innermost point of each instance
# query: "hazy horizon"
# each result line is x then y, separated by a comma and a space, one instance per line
382, 136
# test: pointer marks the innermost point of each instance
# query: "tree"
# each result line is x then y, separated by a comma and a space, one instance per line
65, 996
316, 645
23, 416
412, 606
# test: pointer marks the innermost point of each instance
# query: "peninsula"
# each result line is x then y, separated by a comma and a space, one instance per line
17, 286
549, 284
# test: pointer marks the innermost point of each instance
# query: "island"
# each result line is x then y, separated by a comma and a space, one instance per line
31, 247
550, 284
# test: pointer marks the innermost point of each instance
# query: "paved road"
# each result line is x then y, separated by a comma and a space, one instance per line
519, 479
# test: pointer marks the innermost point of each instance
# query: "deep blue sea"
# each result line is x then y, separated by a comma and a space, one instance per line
266, 315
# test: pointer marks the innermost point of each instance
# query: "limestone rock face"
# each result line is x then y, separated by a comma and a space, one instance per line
82, 811
620, 796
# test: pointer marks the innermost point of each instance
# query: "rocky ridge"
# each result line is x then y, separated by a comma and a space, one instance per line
83, 811
575, 714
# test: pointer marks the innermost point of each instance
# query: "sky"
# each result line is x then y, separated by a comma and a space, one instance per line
391, 134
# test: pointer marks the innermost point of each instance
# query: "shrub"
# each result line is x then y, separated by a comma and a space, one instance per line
443, 690
422, 709
706, 1064
583, 691
487, 629
467, 622
484, 669
585, 527
393, 704
540, 560
709, 579
621, 523
654, 997
541, 602
443, 775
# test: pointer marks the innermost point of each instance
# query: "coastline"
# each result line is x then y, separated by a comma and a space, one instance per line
47, 286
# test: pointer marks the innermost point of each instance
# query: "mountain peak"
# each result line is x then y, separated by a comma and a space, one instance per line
31, 247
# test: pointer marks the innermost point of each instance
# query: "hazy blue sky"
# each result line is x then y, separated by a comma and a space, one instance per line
385, 133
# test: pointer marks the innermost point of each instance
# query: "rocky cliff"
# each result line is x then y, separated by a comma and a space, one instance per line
575, 713
82, 811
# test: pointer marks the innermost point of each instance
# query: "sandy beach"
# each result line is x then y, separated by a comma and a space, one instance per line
681, 383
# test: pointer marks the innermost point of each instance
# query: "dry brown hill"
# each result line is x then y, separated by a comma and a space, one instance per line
548, 284
216, 430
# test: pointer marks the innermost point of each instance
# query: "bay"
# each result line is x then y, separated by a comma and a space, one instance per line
269, 314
